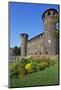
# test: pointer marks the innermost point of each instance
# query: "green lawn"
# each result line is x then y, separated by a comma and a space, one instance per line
48, 76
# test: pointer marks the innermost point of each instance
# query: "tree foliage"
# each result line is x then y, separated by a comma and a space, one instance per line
17, 51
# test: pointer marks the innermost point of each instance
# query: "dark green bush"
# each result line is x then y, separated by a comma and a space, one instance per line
13, 70
18, 69
23, 71
31, 59
52, 62
43, 65
35, 66
23, 62
32, 67
48, 60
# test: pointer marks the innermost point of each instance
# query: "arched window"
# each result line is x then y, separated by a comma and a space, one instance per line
46, 52
40, 53
35, 53
48, 13
54, 13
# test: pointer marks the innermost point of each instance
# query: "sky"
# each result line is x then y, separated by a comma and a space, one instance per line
26, 18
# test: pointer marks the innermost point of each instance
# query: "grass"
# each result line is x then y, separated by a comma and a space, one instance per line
48, 76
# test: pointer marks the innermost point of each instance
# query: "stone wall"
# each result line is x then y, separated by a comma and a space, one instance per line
44, 43
35, 46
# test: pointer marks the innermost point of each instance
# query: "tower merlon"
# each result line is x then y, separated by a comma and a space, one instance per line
50, 12
24, 35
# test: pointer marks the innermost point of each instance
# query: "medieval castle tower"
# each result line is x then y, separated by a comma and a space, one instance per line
44, 43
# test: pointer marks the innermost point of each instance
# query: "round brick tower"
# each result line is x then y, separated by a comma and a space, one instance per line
50, 19
24, 39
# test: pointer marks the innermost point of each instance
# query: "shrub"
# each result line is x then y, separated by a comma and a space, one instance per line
13, 70
32, 67
16, 70
25, 66
43, 65
28, 67
20, 68
35, 66
48, 60
23, 62
22, 72
39, 60
30, 60
52, 62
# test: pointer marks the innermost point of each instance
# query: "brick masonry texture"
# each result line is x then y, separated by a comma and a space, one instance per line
44, 43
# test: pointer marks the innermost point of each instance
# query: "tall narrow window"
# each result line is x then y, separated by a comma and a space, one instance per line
35, 53
48, 13
46, 52
40, 53
54, 13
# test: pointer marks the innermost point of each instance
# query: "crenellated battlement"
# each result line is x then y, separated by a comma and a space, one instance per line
39, 36
44, 43
49, 13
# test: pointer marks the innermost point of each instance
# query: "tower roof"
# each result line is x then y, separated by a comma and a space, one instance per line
51, 9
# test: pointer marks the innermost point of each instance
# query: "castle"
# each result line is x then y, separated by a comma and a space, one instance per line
44, 43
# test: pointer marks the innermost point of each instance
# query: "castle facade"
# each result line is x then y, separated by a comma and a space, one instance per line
45, 43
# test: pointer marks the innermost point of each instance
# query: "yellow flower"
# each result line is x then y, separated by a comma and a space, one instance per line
28, 67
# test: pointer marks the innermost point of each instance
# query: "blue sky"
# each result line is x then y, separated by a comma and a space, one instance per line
27, 18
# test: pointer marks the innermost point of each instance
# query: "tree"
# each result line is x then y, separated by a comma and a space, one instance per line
20, 50
16, 51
